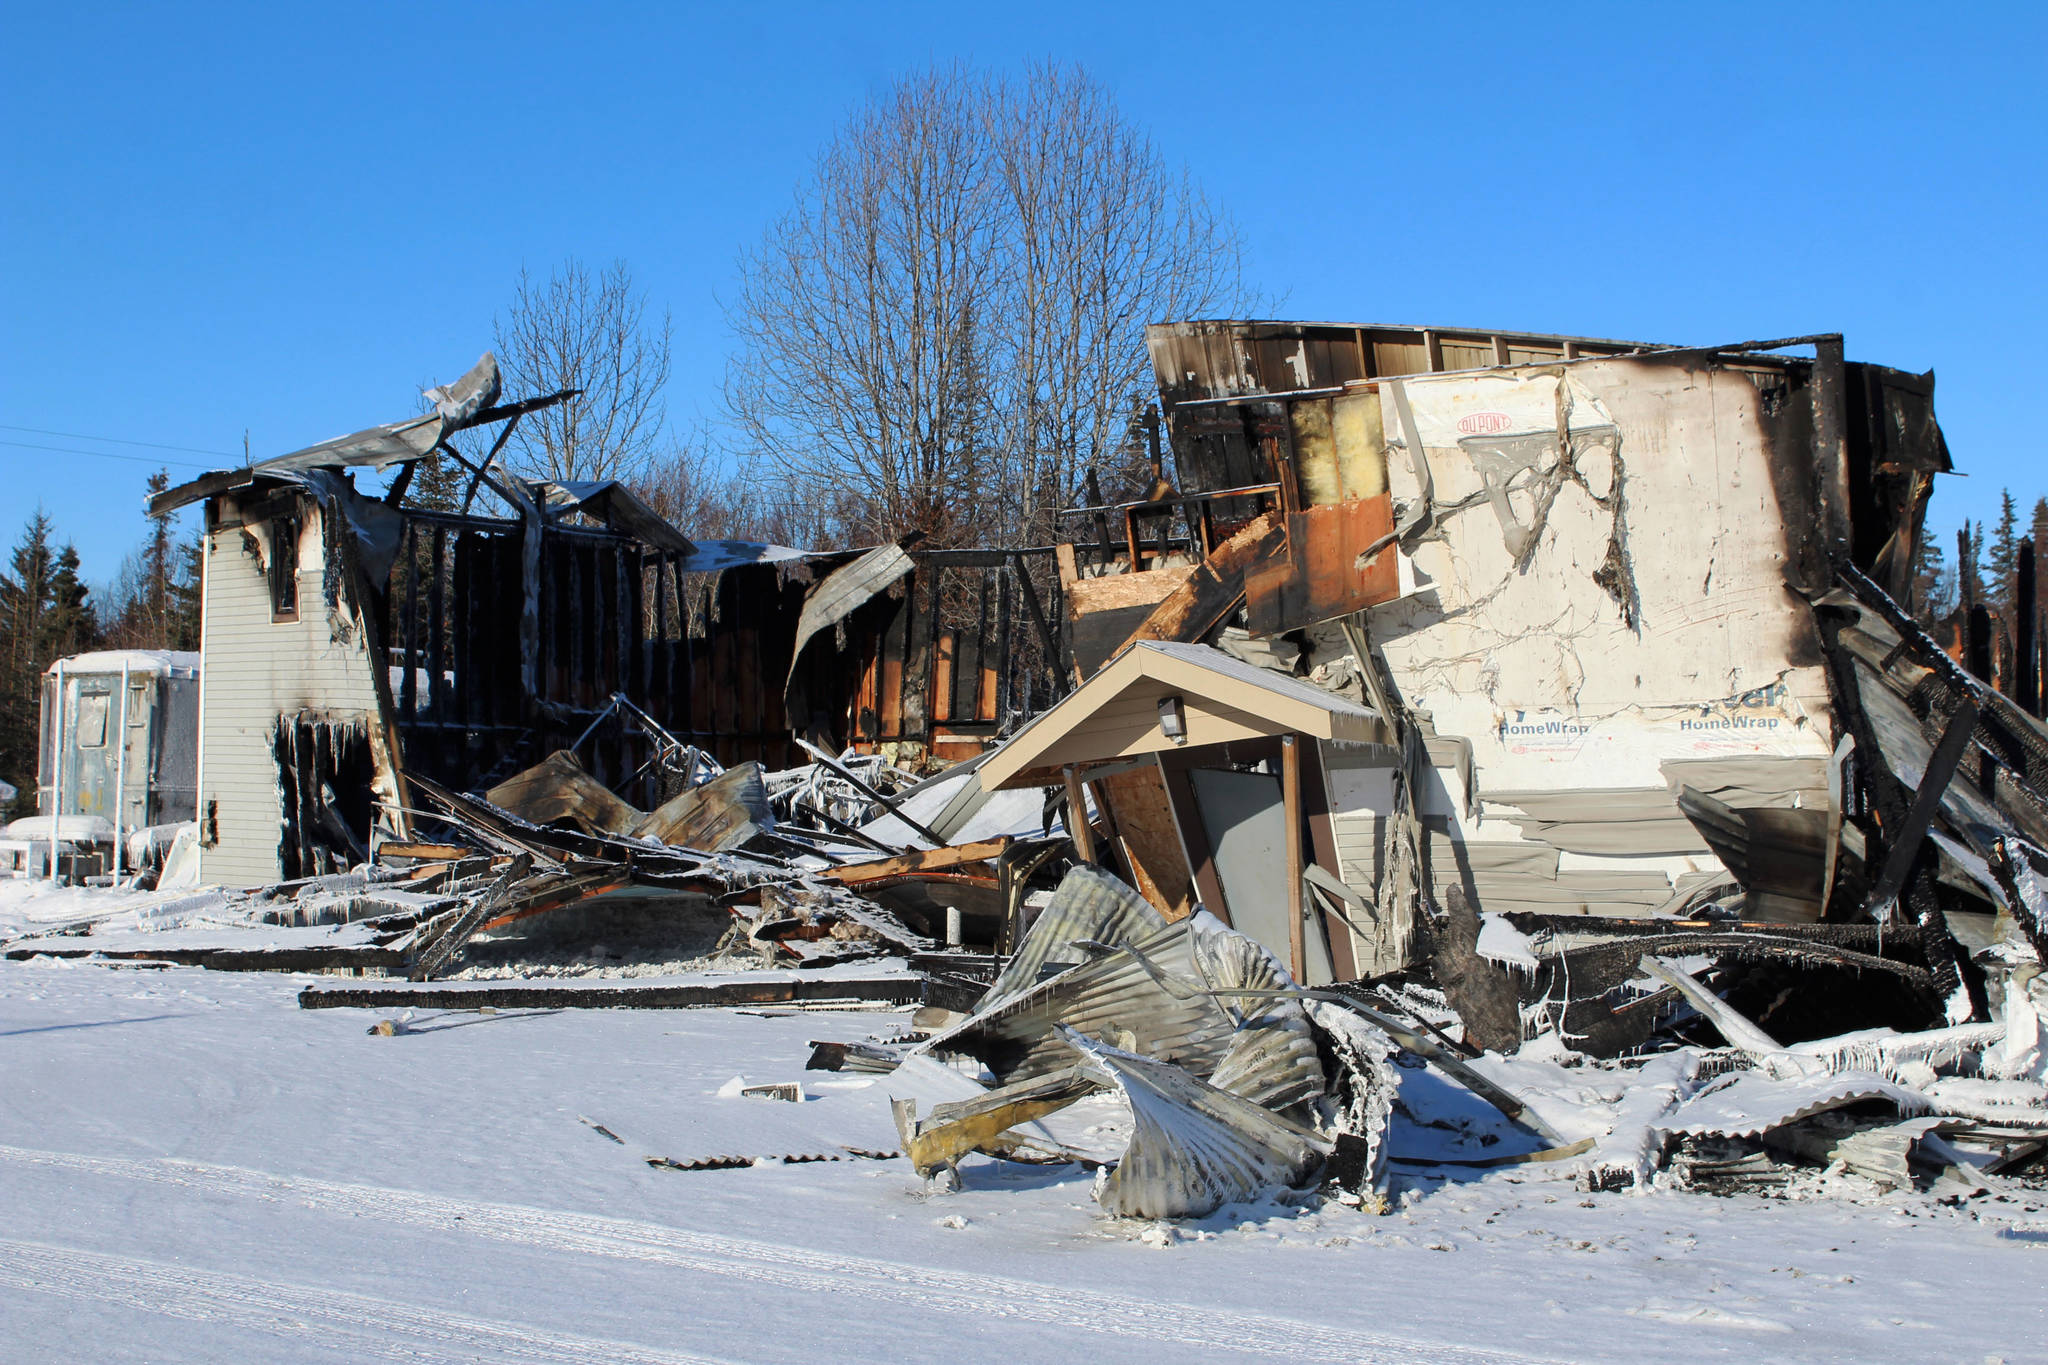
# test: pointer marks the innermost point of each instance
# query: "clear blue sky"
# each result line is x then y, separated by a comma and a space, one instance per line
280, 219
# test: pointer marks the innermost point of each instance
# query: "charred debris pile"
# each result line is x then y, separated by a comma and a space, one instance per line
1547, 716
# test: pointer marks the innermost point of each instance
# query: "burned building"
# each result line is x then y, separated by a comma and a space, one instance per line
1587, 589
1446, 692
353, 637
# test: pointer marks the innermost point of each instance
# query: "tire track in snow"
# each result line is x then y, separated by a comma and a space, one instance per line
912, 1288
358, 1325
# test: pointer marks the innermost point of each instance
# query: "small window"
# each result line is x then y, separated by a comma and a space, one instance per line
284, 569
92, 720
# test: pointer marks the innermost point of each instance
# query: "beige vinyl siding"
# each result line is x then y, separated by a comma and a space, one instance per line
1358, 779
256, 670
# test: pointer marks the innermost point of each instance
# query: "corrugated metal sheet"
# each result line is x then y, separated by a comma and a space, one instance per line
1272, 1058
1193, 1148
1091, 906
1114, 997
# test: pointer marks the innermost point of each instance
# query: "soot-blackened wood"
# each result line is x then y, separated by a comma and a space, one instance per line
323, 765
409, 628
437, 689
595, 636
696, 708
938, 664
917, 651
497, 685
747, 681
902, 990
643, 636
1105, 547
281, 741
624, 627
662, 690
894, 648
1003, 644
598, 591
724, 704
554, 623
1906, 837
500, 683
304, 757
1481, 991
335, 959
579, 626
1977, 647
540, 668
980, 665
462, 611
2026, 653
1048, 641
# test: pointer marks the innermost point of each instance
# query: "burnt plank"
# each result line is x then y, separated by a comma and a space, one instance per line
437, 623
409, 629
902, 990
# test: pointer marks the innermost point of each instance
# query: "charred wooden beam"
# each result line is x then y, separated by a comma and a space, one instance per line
900, 990
2026, 651
1046, 638
1217, 585
1906, 838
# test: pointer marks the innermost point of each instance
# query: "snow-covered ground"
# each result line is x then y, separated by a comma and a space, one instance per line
194, 1168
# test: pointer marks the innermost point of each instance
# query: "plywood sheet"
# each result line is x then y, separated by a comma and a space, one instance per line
1137, 803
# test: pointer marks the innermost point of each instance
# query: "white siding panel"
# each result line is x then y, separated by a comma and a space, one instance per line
256, 670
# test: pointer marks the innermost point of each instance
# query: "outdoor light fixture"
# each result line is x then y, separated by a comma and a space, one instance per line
1173, 721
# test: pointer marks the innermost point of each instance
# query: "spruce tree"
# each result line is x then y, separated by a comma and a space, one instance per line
71, 625
438, 485
1932, 589
30, 598
25, 598
181, 616
2003, 563
157, 565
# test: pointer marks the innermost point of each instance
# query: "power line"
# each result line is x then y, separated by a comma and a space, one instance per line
111, 440
103, 454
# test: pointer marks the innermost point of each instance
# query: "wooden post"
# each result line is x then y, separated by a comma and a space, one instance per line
1977, 645
1077, 816
1290, 783
2026, 657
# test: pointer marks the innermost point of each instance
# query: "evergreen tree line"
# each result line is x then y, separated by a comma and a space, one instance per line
47, 612
1984, 570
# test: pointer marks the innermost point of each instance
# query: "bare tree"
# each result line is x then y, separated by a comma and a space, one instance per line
1103, 237
856, 314
590, 332
949, 321
702, 492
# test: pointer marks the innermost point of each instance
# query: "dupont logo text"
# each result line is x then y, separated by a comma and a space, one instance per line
1484, 423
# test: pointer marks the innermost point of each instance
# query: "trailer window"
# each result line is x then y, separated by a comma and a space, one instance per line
92, 720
